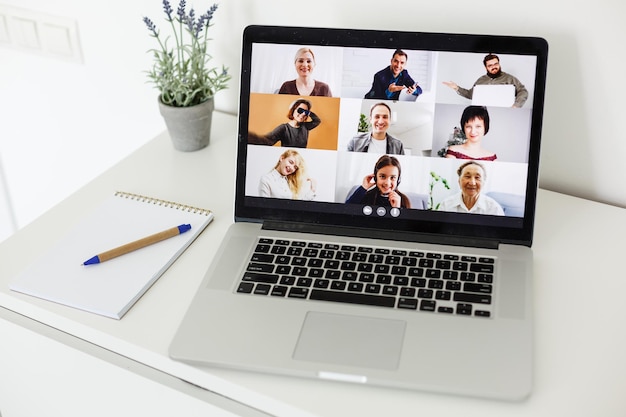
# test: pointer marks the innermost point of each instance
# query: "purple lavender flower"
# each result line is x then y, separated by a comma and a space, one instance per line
191, 20
200, 25
209, 13
181, 10
151, 27
168, 10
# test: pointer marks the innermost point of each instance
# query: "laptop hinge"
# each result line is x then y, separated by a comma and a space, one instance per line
381, 234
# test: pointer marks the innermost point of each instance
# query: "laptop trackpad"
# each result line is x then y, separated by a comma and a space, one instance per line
350, 340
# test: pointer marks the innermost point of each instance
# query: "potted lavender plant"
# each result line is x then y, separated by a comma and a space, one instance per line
181, 72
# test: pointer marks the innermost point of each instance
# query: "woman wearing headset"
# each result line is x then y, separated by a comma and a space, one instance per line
381, 187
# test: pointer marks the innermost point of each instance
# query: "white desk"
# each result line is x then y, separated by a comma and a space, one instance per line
580, 336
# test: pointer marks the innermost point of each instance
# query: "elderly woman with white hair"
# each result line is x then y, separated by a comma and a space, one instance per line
472, 176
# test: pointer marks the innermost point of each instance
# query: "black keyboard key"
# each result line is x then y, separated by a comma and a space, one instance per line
427, 305
422, 293
279, 291
338, 285
433, 273
401, 281
390, 290
343, 255
262, 248
321, 283
409, 261
255, 267
407, 292
353, 298
298, 292
304, 282
355, 287
381, 269
262, 258
373, 288
393, 260
443, 295
418, 282
260, 277
298, 261
483, 268
468, 276
348, 266
436, 284
446, 310
453, 286
359, 257
416, 272
410, 303
332, 274
331, 264
464, 309
486, 278
279, 250
443, 264
375, 258
283, 260
316, 272
287, 280
472, 298
294, 251
283, 269
450, 275
245, 287
426, 263
315, 263
482, 313
398, 270
383, 279
460, 266
366, 277
262, 289
299, 271
349, 276
480, 288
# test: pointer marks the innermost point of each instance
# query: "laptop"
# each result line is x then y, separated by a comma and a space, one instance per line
313, 280
493, 95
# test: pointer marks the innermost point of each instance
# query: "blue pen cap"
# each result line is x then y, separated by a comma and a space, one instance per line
183, 228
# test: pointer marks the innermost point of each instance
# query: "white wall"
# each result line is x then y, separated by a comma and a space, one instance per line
100, 111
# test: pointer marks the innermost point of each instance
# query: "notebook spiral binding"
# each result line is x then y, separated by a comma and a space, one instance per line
165, 203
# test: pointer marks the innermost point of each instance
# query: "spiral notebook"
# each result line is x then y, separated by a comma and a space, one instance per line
112, 287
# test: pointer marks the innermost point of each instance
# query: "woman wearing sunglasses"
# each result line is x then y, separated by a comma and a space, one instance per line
295, 133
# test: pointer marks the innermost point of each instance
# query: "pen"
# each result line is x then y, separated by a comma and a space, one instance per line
137, 244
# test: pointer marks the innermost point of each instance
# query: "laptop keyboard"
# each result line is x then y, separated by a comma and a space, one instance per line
437, 282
